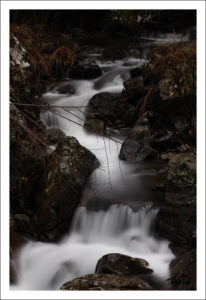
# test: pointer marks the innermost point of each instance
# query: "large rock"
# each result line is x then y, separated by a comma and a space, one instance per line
183, 270
133, 150
177, 216
116, 263
65, 176
86, 71
105, 282
112, 109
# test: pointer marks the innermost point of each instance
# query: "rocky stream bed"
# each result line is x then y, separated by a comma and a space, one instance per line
104, 166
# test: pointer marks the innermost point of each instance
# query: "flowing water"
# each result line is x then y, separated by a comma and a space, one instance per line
115, 215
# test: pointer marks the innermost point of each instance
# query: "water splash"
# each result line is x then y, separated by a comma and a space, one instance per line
93, 234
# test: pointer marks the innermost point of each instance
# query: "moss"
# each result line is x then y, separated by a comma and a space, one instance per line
182, 170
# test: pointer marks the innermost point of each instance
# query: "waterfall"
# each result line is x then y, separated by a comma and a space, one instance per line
93, 234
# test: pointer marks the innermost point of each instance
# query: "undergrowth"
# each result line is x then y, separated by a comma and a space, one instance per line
50, 56
177, 63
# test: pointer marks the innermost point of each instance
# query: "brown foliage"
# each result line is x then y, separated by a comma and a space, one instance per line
55, 62
177, 62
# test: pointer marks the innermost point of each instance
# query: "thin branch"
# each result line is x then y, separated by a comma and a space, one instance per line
73, 114
123, 179
66, 118
108, 165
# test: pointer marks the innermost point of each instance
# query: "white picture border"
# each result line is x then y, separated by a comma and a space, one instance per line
6, 293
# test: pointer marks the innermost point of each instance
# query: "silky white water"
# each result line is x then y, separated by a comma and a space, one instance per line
93, 234
96, 230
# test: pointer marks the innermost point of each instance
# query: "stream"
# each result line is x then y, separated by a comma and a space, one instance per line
115, 214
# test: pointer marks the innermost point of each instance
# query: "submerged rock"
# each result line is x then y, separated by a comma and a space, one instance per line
67, 171
116, 263
105, 282
95, 125
112, 109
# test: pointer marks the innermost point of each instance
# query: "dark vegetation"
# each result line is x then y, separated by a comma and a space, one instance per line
158, 104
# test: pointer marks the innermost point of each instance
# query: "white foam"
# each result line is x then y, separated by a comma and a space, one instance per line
93, 234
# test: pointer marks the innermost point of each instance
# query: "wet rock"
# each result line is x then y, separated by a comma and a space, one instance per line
106, 282
112, 52
86, 71
65, 176
112, 109
176, 220
133, 150
62, 88
135, 86
95, 125
116, 263
183, 270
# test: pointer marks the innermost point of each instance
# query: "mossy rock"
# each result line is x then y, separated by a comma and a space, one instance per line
182, 169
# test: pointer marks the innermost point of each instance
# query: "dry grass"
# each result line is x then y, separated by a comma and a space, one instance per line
55, 62
60, 60
177, 62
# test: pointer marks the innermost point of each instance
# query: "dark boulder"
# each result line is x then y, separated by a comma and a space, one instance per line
133, 150
183, 270
116, 263
135, 86
26, 175
86, 71
65, 88
112, 52
112, 109
65, 176
177, 216
105, 282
